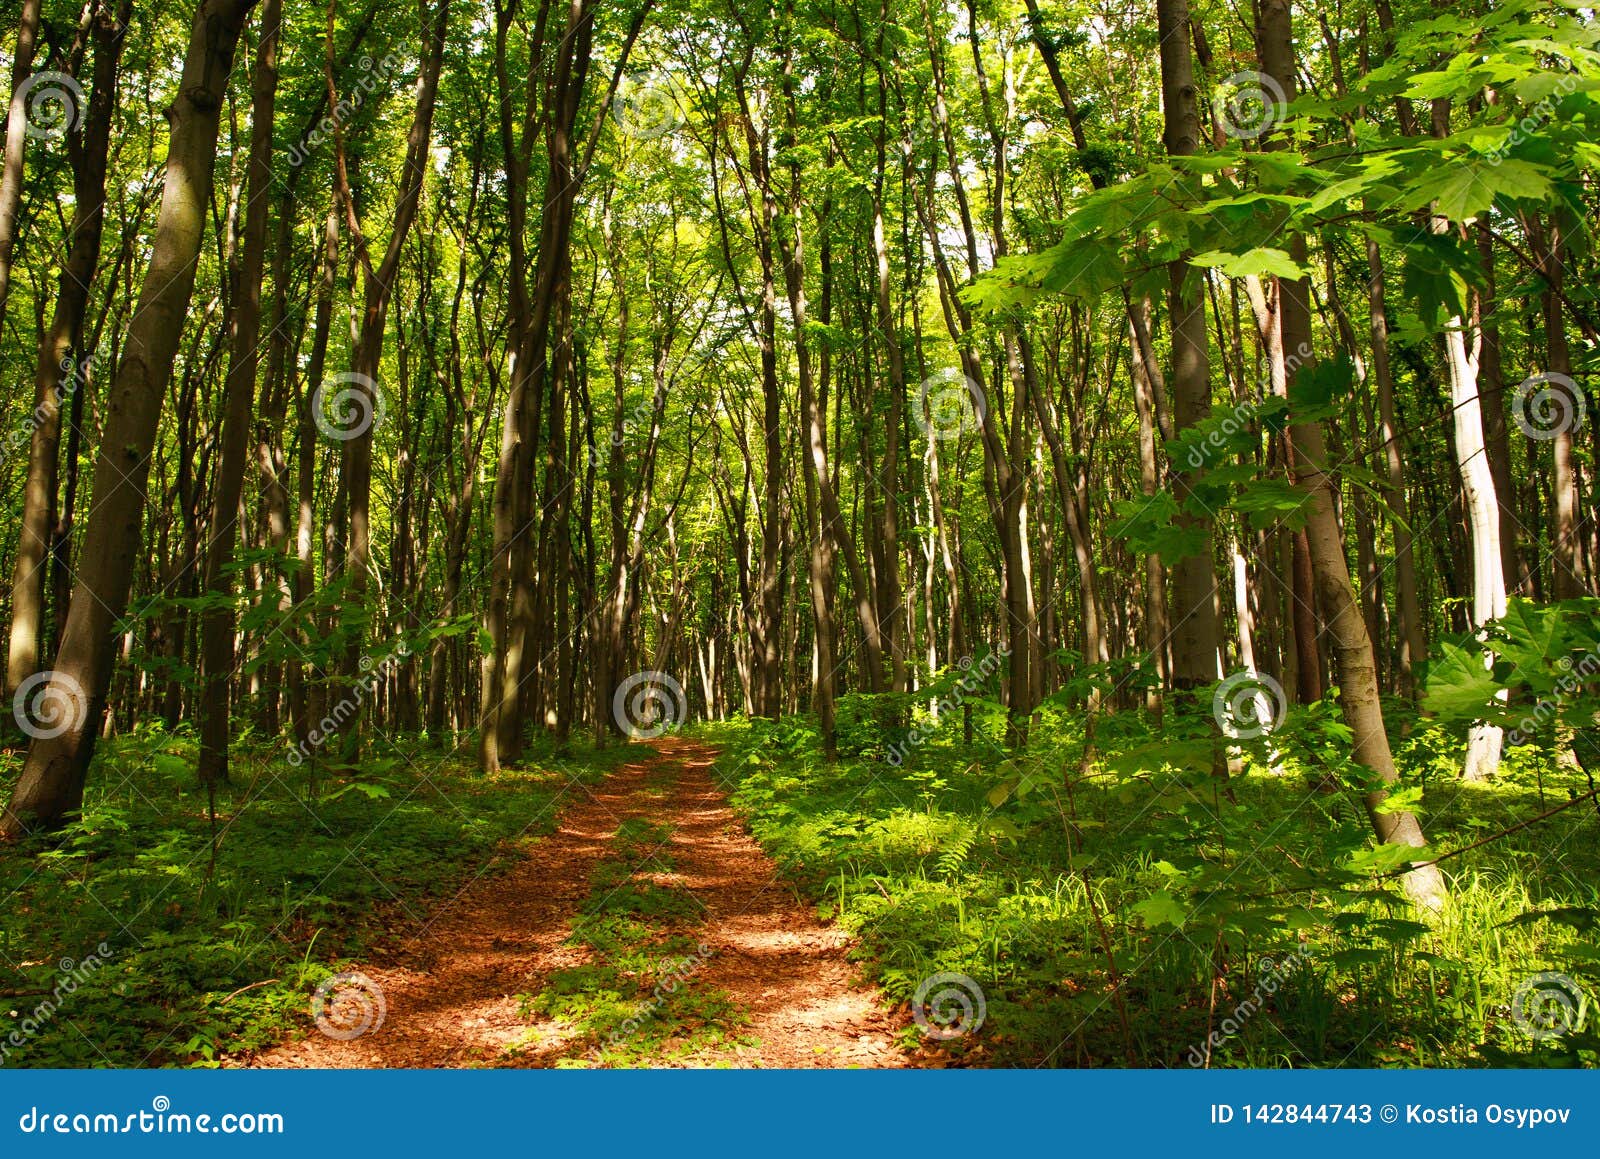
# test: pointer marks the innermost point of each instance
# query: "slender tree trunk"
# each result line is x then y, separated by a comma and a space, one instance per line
1408, 610
1194, 585
1354, 662
1565, 545
1483, 522
62, 369
306, 697
1496, 436
217, 623
17, 136
1156, 627
51, 785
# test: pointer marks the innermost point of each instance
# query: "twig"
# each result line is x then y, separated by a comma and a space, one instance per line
245, 989
1520, 825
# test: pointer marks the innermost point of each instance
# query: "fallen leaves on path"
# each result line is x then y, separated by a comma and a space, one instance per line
451, 993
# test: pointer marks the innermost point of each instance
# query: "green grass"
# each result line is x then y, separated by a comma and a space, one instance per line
1116, 909
1123, 916
302, 884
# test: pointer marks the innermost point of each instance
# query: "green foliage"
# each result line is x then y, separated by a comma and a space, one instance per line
1139, 887
1532, 670
208, 961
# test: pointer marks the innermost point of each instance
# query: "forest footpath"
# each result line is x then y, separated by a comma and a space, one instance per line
649, 929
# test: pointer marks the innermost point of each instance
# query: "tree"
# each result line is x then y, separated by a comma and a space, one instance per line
51, 785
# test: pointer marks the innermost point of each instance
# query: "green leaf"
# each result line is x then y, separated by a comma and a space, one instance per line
1457, 683
1162, 909
1317, 387
1150, 526
1463, 189
1261, 261
1270, 501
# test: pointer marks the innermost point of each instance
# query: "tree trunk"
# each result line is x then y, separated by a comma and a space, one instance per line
1483, 521
17, 136
356, 473
1352, 647
1194, 584
1408, 610
51, 785
1565, 546
217, 623
62, 369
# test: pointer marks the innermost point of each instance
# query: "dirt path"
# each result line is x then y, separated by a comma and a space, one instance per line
452, 997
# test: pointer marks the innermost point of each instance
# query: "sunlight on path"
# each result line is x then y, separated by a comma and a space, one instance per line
653, 856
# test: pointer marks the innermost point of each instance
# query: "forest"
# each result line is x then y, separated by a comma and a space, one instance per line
800, 533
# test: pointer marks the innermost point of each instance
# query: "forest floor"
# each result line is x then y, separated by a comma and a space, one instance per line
532, 967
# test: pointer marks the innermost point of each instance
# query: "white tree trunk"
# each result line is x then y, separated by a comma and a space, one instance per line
1483, 522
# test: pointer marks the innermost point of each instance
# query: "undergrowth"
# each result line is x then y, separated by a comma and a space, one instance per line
206, 959
1121, 906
